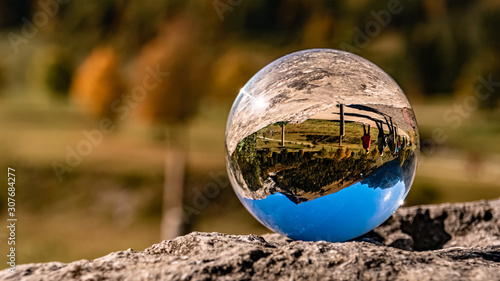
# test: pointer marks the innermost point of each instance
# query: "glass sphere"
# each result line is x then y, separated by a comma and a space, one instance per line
321, 144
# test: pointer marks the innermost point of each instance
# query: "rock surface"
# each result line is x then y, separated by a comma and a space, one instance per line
436, 242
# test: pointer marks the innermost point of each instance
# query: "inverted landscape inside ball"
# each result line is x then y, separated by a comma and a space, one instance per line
321, 145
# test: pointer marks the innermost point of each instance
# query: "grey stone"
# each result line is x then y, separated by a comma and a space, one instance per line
435, 242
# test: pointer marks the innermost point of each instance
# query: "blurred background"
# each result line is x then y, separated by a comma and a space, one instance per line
104, 104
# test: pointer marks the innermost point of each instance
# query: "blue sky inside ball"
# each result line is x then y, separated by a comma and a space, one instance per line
336, 217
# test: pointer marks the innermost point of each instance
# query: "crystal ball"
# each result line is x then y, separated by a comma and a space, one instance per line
321, 144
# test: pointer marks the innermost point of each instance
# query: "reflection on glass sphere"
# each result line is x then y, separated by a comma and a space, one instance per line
321, 145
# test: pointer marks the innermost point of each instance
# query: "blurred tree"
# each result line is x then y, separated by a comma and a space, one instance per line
140, 21
322, 22
174, 52
233, 68
3, 82
277, 22
173, 58
125, 24
12, 12
58, 74
97, 84
490, 53
89, 25
443, 43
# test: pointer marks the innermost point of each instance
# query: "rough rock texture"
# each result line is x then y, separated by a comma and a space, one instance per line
437, 242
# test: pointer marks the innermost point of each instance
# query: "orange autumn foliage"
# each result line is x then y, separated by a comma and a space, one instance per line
97, 83
173, 51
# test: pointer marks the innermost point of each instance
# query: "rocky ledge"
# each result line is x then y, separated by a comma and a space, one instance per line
435, 242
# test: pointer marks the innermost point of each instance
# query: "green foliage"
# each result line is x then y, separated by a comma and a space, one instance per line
247, 159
